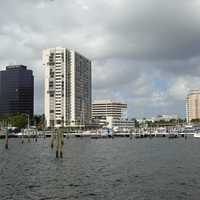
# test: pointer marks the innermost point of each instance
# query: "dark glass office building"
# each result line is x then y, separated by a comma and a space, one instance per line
16, 90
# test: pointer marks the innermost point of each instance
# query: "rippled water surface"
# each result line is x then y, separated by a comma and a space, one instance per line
119, 168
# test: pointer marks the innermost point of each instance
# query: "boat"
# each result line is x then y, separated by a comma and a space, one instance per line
104, 133
196, 135
160, 132
190, 130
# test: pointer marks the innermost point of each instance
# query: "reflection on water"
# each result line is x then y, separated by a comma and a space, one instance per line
119, 168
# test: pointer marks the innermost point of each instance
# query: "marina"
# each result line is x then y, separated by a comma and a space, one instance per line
93, 135
108, 133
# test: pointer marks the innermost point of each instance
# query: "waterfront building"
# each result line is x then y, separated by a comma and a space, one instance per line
193, 105
67, 96
16, 90
108, 108
111, 114
120, 125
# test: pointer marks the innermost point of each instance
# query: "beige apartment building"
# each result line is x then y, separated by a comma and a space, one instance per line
68, 90
193, 105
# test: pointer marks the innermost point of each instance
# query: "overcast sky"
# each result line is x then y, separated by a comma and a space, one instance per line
144, 52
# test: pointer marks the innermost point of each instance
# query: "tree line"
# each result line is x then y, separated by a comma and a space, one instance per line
21, 120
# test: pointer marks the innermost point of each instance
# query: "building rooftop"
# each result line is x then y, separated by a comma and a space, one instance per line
197, 91
107, 101
14, 67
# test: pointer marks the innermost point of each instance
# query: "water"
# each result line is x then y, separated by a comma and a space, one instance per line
119, 168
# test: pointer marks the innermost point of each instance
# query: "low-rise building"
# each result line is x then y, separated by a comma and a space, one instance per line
120, 124
108, 108
112, 114
166, 118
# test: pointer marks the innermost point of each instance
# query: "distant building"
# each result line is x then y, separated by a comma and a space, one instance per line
120, 124
108, 108
166, 118
16, 90
111, 114
67, 88
193, 105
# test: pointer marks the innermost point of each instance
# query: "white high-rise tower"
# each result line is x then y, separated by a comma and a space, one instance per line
67, 88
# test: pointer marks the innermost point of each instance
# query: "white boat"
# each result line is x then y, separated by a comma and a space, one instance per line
189, 130
196, 135
19, 134
160, 132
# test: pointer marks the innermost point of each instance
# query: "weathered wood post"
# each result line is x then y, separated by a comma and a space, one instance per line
6, 138
44, 134
36, 135
60, 142
28, 128
29, 139
23, 136
52, 138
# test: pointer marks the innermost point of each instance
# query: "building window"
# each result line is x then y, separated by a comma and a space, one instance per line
58, 121
51, 74
50, 83
51, 94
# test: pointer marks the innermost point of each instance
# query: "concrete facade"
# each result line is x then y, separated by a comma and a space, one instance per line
67, 88
108, 108
193, 105
110, 114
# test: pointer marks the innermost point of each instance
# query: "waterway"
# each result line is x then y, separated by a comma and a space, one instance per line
107, 169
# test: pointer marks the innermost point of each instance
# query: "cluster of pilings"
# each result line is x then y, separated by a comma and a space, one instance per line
25, 132
58, 137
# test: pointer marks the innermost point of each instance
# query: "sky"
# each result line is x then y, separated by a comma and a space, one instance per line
145, 53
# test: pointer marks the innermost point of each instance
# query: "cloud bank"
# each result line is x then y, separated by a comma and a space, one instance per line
144, 52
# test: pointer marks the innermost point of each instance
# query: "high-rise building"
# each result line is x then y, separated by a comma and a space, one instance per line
67, 88
16, 90
193, 105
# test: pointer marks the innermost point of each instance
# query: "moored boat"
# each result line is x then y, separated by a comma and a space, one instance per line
197, 135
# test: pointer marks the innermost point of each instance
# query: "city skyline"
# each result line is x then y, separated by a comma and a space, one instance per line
148, 54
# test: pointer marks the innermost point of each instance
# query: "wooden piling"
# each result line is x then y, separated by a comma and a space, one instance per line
29, 139
22, 136
6, 138
52, 138
35, 135
59, 143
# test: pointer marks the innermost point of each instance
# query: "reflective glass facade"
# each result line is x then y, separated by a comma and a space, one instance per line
16, 90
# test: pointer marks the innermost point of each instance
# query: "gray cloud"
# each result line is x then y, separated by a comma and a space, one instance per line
132, 45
